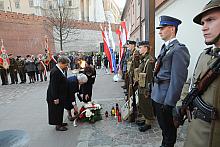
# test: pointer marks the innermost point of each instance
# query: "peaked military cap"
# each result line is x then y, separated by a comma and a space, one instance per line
131, 42
141, 43
213, 4
168, 21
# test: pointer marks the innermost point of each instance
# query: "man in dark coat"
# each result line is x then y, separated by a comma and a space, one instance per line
57, 93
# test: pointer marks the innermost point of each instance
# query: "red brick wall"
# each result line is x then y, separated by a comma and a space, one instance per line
24, 34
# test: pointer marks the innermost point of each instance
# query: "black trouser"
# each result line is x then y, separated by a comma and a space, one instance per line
4, 76
22, 74
165, 120
13, 75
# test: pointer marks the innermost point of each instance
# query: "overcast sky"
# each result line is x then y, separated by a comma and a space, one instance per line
120, 3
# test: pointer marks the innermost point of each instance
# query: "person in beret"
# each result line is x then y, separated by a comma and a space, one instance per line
132, 63
170, 74
204, 129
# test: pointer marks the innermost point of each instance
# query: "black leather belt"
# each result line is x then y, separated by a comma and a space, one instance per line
160, 81
204, 111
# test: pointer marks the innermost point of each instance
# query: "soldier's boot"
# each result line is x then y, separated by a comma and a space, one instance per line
146, 127
140, 121
131, 118
123, 86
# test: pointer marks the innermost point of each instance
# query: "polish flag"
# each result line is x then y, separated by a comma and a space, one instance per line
106, 46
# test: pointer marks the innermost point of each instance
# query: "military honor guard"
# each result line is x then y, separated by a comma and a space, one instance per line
132, 63
204, 129
144, 76
170, 74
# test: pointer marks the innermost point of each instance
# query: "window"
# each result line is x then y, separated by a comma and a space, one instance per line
70, 3
31, 3
1, 5
17, 4
50, 5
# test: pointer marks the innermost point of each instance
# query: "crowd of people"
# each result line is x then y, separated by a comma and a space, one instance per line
30, 65
32, 68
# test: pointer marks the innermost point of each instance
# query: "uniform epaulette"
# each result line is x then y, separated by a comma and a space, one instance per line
180, 44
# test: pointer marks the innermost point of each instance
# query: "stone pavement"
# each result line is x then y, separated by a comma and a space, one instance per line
23, 106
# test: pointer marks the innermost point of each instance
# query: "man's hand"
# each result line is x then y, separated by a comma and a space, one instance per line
56, 101
75, 108
86, 96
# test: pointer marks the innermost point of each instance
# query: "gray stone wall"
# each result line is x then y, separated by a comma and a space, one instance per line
85, 41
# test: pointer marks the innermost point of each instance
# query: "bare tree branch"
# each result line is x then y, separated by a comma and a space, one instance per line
60, 20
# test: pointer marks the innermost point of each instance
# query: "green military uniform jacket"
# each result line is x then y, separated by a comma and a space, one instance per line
135, 61
145, 105
201, 133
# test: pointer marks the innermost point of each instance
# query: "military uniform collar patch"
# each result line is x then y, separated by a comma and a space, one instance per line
214, 52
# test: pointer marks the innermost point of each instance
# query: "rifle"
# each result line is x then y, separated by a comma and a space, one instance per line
134, 114
185, 111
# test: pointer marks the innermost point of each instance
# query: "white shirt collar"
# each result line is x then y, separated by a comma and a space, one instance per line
167, 42
60, 69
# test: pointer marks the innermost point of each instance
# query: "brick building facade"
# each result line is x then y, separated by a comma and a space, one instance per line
24, 34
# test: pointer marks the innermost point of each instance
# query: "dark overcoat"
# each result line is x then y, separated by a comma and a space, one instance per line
73, 87
86, 88
57, 89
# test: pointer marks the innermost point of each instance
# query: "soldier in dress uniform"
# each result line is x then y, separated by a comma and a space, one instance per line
204, 131
145, 76
170, 74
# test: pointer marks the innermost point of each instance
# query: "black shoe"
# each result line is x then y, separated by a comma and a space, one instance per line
140, 122
61, 128
144, 128
64, 124
124, 87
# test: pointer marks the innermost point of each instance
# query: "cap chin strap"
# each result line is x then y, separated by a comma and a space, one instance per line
215, 40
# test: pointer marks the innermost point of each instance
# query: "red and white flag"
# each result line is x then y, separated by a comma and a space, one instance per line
106, 46
124, 33
48, 55
4, 60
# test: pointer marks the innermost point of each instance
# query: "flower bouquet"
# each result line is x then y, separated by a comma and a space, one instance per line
90, 112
